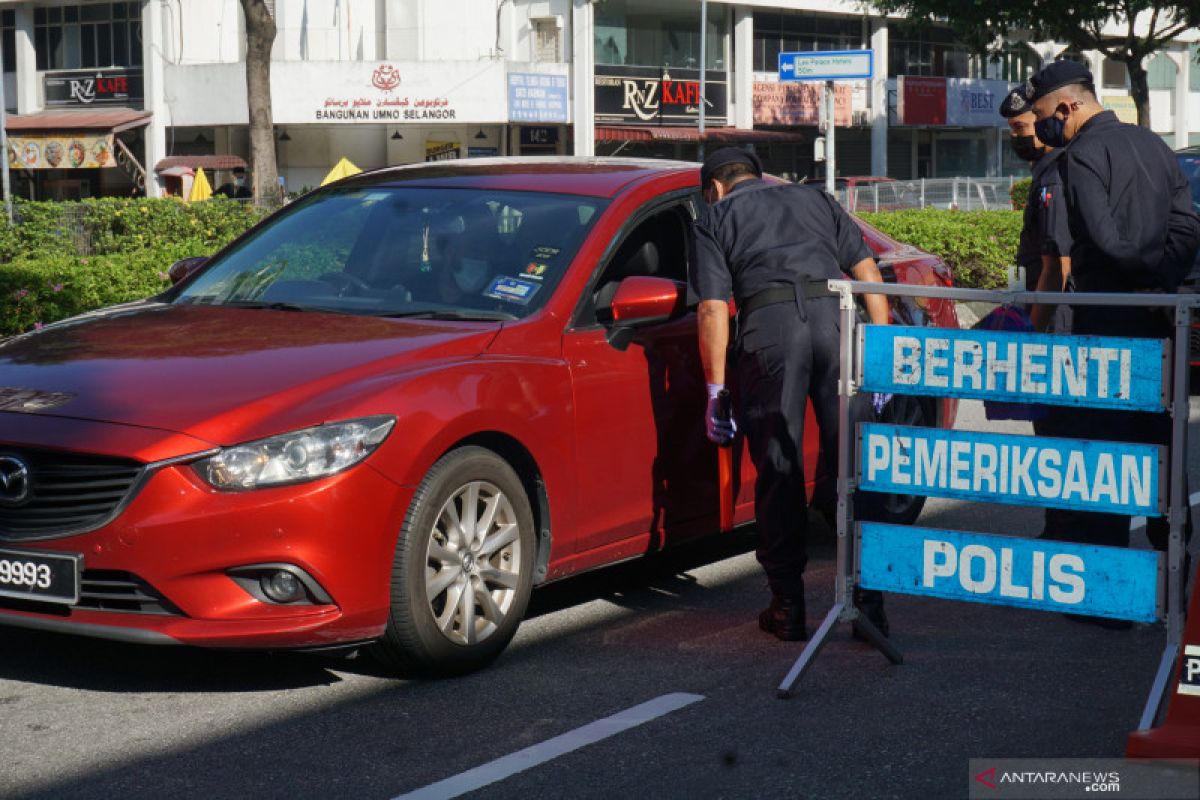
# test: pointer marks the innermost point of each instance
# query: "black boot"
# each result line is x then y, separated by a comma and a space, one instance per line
785, 619
870, 603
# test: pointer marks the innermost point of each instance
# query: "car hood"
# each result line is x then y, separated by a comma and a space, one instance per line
213, 372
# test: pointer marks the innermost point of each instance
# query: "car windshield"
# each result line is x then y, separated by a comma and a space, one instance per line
404, 251
1190, 164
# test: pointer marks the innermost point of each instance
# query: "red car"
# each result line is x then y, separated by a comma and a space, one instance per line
381, 416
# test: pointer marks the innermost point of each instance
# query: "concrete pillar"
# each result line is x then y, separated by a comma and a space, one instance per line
1182, 64
743, 66
153, 71
27, 75
879, 96
583, 68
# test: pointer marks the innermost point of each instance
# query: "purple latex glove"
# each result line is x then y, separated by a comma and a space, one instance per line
720, 431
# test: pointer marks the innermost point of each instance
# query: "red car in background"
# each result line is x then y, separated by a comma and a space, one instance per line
381, 416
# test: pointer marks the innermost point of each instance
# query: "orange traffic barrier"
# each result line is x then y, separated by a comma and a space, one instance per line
1179, 735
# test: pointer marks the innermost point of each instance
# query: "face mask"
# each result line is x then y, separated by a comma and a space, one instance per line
470, 275
1051, 131
1025, 148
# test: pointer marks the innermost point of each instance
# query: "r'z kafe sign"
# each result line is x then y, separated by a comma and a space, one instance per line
1002, 570
1110, 477
1091, 371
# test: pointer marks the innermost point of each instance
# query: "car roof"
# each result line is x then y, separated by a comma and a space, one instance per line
594, 177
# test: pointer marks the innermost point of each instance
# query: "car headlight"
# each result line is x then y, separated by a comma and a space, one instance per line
302, 455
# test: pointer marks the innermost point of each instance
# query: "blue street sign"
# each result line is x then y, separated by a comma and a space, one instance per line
827, 65
1090, 371
1110, 477
1047, 575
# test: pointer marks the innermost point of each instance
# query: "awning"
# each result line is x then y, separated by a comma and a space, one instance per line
209, 163
637, 133
111, 120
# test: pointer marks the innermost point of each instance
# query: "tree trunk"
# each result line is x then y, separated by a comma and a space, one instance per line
260, 35
1139, 89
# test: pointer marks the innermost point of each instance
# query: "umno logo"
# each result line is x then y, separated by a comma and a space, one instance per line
385, 77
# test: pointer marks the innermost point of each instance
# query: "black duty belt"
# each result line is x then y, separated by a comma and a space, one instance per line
782, 294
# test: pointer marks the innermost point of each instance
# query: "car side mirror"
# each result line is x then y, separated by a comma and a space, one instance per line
642, 300
185, 267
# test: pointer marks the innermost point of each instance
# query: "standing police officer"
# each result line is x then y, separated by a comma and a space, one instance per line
762, 243
1129, 228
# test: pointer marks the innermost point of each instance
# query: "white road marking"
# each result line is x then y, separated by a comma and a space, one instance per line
540, 753
1140, 522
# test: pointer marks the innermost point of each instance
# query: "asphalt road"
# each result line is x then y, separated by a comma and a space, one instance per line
94, 719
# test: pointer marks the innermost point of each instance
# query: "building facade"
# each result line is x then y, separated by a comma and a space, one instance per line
113, 98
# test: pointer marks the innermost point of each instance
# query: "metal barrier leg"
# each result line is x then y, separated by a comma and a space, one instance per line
1158, 689
869, 632
810, 652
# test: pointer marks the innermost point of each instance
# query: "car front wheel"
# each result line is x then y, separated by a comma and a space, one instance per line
463, 568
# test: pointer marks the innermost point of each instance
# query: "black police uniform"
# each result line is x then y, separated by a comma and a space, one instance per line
1129, 228
762, 244
1045, 198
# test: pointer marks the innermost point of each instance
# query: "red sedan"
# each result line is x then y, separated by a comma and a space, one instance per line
381, 416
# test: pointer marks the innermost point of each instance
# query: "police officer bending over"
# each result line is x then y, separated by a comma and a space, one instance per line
1129, 228
762, 243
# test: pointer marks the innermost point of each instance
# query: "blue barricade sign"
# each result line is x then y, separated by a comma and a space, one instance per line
1092, 371
1002, 570
1111, 477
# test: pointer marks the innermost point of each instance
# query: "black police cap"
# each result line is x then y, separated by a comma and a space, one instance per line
1016, 102
726, 156
1057, 75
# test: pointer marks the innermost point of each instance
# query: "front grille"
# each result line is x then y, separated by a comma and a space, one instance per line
111, 590
68, 493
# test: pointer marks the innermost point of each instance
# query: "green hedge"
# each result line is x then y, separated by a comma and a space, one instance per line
1020, 193
978, 246
62, 259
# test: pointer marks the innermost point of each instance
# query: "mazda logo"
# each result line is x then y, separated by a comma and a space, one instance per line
14, 481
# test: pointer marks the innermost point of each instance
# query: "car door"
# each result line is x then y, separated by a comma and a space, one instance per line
645, 468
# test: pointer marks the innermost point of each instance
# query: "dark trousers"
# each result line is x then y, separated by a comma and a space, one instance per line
1090, 527
786, 356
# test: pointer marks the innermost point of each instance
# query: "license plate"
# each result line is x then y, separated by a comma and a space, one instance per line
48, 577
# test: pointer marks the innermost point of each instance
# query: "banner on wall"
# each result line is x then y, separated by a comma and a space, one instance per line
975, 103
921, 100
659, 96
534, 97
1123, 106
441, 151
50, 151
798, 103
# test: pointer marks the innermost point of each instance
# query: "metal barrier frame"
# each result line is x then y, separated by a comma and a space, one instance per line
843, 609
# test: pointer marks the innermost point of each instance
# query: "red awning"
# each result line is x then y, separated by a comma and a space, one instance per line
201, 162
637, 133
113, 120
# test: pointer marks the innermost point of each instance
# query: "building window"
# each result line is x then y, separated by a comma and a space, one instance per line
8, 27
776, 33
546, 40
1161, 73
1015, 63
82, 36
1113, 74
921, 50
658, 33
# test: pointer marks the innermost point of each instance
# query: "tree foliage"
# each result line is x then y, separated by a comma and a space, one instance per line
1136, 28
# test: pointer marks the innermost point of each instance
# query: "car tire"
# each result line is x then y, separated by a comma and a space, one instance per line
457, 594
903, 509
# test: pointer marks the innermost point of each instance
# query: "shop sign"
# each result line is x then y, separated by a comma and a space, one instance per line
657, 96
93, 87
50, 151
539, 136
799, 103
975, 103
921, 101
537, 97
1123, 106
441, 151
482, 152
